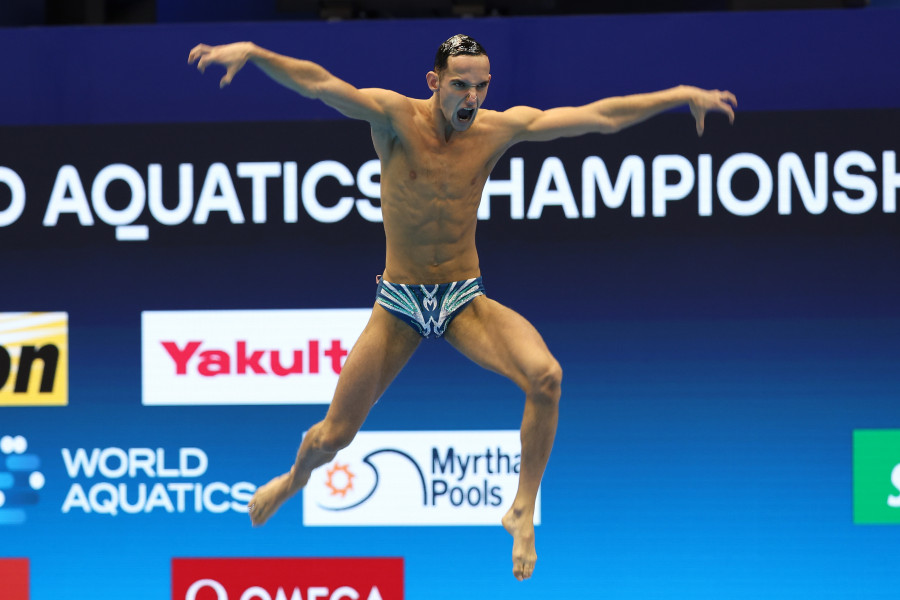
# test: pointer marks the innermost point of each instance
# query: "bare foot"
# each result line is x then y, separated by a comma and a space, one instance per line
269, 498
521, 527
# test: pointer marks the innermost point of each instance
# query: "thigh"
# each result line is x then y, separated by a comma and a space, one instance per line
383, 348
500, 339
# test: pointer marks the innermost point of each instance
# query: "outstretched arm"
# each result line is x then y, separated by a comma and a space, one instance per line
304, 77
614, 114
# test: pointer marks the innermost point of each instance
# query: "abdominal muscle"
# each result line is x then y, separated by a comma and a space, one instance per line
430, 193
430, 239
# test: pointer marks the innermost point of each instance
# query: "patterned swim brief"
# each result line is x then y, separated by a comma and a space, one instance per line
427, 308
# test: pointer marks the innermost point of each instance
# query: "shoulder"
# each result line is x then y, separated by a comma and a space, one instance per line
513, 121
389, 100
398, 112
390, 108
520, 116
395, 108
509, 125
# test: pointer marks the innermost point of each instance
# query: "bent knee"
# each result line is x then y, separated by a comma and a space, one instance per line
333, 438
546, 382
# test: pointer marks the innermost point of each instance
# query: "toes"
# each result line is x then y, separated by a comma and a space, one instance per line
523, 570
527, 570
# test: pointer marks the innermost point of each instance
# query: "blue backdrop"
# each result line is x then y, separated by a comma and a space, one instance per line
716, 365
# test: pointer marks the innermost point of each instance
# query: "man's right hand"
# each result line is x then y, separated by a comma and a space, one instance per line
231, 56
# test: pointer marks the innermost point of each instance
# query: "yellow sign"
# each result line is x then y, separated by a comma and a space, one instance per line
34, 359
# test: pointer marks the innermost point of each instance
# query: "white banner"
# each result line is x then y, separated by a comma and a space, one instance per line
246, 356
417, 478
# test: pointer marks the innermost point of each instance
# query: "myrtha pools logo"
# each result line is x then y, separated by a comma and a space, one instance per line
417, 478
20, 479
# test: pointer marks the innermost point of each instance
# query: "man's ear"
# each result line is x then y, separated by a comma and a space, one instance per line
433, 81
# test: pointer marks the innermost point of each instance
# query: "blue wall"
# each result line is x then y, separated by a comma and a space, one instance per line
716, 367
772, 60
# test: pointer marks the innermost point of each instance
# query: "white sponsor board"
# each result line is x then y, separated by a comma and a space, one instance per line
246, 356
417, 478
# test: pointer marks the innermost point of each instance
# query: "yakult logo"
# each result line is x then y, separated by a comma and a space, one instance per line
287, 579
417, 478
246, 357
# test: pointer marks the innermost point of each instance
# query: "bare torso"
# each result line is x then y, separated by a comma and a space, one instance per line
431, 184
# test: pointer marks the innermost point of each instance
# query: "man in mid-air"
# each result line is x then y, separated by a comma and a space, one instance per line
436, 155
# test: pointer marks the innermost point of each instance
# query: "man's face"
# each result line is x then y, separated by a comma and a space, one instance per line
462, 87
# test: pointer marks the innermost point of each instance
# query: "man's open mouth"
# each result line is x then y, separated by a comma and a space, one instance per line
464, 114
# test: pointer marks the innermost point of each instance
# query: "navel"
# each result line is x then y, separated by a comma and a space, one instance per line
412, 175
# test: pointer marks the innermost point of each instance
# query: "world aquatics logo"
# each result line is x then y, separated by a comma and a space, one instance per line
20, 479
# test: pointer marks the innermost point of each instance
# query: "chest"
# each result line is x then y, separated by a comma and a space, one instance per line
439, 161
422, 159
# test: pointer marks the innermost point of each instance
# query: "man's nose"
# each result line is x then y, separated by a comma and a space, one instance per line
471, 96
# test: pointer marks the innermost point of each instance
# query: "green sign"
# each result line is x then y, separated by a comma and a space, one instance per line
876, 476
